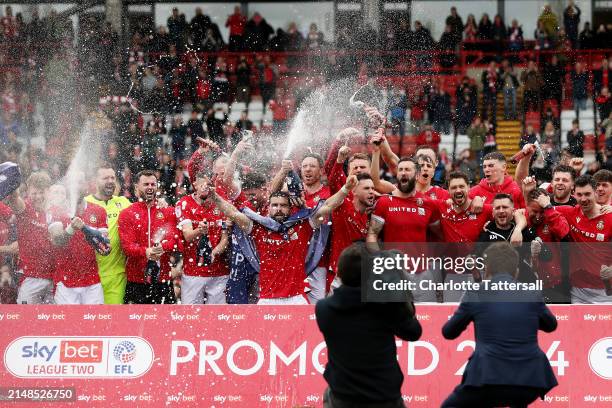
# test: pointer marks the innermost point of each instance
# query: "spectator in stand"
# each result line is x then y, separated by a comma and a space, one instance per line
267, 79
550, 117
571, 21
404, 35
587, 37
423, 43
257, 33
455, 23
550, 23
490, 86
215, 119
509, 84
281, 108
195, 129
529, 137
448, 46
9, 24
552, 133
200, 23
465, 110
515, 36
220, 84
467, 165
476, 133
490, 144
237, 24
580, 81
575, 140
178, 134
485, 28
441, 111
553, 76
177, 29
470, 32
543, 41
532, 82
295, 40
604, 103
388, 43
278, 43
428, 137
499, 33
602, 77
243, 123
397, 109
211, 42
243, 80
314, 38
601, 39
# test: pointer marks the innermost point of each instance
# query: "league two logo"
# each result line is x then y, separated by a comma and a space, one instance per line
78, 357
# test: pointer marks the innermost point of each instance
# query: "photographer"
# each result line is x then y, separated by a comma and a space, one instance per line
362, 369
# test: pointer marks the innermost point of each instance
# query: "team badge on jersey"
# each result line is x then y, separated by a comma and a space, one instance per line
216, 211
600, 225
316, 199
159, 215
93, 219
433, 196
577, 219
419, 201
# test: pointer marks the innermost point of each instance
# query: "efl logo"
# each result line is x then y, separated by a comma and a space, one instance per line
78, 357
83, 351
600, 358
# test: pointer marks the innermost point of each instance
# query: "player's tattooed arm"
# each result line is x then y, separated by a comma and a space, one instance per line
231, 212
374, 230
278, 182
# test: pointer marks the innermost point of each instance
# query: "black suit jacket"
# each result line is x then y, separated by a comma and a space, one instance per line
362, 356
506, 330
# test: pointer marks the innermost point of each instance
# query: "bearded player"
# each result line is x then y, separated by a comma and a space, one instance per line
112, 267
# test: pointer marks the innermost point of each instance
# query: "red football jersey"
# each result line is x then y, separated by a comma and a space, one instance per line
35, 250
348, 226
75, 263
437, 193
462, 227
405, 219
592, 249
312, 199
282, 260
188, 211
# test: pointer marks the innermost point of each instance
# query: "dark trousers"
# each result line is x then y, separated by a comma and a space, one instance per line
149, 294
331, 401
490, 396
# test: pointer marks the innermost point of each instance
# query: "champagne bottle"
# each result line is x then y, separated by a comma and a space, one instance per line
97, 240
151, 274
294, 184
204, 255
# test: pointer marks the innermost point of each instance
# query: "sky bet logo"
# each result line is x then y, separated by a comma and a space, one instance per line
70, 351
78, 357
600, 358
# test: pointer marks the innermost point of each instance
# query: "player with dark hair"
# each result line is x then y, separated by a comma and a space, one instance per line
286, 247
496, 181
148, 234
